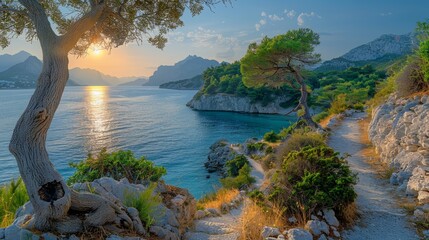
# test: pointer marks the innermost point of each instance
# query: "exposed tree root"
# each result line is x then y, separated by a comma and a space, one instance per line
86, 211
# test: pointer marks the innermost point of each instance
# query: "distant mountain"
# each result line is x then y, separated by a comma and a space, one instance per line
91, 77
7, 60
381, 51
24, 74
185, 69
138, 82
194, 83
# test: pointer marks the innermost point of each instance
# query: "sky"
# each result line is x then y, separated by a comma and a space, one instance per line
224, 32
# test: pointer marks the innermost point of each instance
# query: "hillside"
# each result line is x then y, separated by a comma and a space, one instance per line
194, 83
91, 77
137, 82
185, 69
24, 74
379, 53
7, 60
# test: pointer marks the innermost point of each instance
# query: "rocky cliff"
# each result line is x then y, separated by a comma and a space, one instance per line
231, 103
400, 132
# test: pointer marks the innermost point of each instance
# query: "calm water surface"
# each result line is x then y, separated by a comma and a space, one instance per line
149, 121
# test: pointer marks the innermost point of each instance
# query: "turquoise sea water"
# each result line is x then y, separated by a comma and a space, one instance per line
149, 121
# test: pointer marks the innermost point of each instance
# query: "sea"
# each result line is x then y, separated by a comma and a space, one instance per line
151, 122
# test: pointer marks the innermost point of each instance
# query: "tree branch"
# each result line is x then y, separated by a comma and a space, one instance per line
38, 16
9, 9
84, 24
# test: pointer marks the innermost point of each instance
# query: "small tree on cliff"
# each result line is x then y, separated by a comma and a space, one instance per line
108, 23
279, 60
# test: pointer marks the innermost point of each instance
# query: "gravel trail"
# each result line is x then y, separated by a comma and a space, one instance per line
381, 217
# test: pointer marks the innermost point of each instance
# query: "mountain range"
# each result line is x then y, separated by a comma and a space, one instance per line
380, 52
188, 68
7, 60
23, 69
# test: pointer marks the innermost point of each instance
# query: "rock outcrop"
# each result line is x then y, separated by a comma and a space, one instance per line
173, 216
400, 132
231, 103
220, 153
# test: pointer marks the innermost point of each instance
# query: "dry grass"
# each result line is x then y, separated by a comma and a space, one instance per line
409, 206
324, 122
216, 200
348, 215
254, 218
382, 169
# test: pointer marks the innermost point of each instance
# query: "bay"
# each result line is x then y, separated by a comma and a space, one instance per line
151, 122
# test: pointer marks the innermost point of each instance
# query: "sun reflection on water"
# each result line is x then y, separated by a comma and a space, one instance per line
98, 117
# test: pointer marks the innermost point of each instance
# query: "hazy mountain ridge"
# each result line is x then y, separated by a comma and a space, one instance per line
386, 48
185, 69
24, 74
194, 83
7, 60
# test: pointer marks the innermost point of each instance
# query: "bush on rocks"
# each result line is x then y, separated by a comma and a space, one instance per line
117, 165
314, 178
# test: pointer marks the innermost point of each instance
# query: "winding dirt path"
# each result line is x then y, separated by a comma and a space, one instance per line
381, 217
257, 171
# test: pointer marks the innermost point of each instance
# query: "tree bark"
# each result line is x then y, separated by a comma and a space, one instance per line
49, 194
303, 101
56, 206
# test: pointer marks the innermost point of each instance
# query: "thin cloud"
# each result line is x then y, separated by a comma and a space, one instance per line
263, 14
274, 17
302, 16
291, 14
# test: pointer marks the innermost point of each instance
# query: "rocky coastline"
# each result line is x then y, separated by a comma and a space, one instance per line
231, 103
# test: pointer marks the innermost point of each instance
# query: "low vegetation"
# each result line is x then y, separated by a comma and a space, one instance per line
242, 180
12, 196
271, 137
314, 178
255, 217
309, 176
117, 165
216, 199
146, 202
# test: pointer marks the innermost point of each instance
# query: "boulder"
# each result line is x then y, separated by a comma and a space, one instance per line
329, 216
317, 227
423, 197
200, 214
299, 234
270, 232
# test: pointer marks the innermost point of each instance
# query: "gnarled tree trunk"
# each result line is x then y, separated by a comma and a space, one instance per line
303, 101
56, 206
48, 192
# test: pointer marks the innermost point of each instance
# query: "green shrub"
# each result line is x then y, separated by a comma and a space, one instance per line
146, 202
339, 105
269, 150
244, 179
256, 196
271, 137
117, 165
12, 196
314, 178
300, 139
320, 116
257, 146
233, 166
